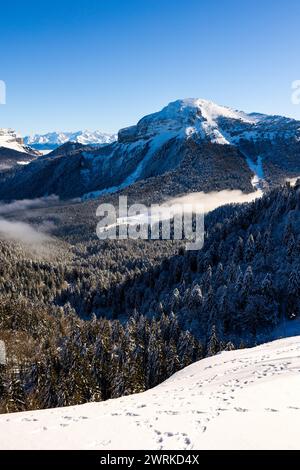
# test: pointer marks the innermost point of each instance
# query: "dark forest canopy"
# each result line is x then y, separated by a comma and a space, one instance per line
101, 319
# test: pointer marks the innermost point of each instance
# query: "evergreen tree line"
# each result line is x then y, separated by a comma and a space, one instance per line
103, 319
56, 359
245, 280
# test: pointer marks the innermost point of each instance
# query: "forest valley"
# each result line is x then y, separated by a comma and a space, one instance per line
92, 320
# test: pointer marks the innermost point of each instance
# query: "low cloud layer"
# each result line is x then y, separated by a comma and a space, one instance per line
26, 204
215, 199
22, 233
200, 203
32, 238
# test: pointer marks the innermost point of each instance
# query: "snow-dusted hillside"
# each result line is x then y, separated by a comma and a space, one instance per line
53, 140
245, 399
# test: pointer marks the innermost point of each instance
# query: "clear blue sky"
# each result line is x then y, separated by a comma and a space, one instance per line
103, 64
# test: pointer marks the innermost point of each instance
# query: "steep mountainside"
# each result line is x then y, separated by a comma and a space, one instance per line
243, 283
193, 139
245, 280
77, 173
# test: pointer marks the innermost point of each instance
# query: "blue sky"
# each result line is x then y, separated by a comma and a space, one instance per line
90, 64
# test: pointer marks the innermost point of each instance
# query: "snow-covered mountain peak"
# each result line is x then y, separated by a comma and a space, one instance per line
11, 140
203, 110
205, 120
177, 136
191, 116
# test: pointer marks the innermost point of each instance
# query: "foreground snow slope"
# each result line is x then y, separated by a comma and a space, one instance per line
246, 399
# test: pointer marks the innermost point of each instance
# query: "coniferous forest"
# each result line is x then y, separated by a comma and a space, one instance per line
86, 320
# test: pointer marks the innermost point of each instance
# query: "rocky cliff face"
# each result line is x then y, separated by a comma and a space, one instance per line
13, 151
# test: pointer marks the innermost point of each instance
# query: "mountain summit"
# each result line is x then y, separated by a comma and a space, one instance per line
13, 151
10, 139
206, 120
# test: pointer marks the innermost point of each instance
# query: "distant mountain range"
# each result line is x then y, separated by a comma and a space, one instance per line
52, 140
16, 150
190, 145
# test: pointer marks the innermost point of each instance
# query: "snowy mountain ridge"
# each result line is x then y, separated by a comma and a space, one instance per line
185, 117
53, 140
200, 145
206, 120
13, 151
242, 399
11, 140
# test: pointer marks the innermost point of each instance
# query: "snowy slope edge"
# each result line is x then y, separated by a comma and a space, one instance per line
244, 399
